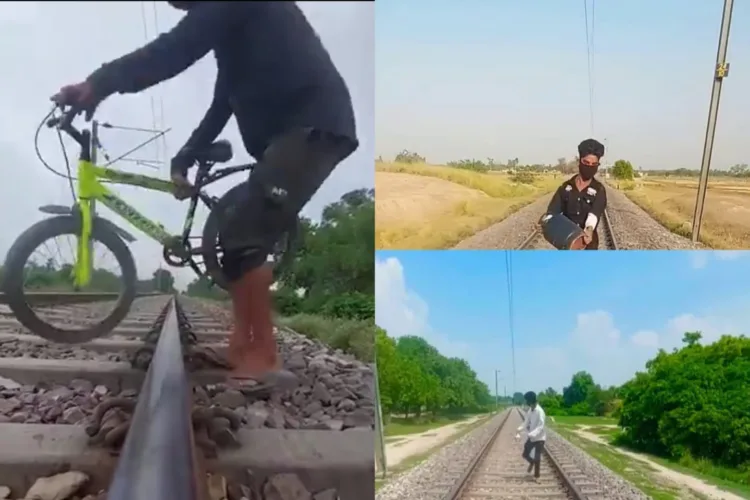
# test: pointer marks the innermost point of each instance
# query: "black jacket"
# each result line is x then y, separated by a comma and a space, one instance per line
576, 205
273, 72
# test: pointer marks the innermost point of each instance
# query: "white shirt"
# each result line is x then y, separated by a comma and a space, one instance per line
533, 424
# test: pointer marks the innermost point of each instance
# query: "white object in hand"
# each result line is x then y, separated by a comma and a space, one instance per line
518, 436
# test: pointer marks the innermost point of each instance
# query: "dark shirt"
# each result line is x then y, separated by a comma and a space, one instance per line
576, 205
273, 72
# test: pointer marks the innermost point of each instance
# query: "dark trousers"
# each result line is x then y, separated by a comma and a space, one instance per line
255, 214
538, 447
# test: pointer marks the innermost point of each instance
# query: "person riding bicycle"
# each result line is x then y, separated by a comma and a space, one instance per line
295, 116
582, 198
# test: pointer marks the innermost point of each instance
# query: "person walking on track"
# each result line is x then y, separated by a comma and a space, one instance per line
533, 426
582, 198
295, 116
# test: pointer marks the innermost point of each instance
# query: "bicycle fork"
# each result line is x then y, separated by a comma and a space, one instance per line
84, 259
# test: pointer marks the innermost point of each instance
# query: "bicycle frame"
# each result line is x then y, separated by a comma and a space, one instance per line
91, 189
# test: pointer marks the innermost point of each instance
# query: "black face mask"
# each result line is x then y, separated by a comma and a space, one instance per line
586, 172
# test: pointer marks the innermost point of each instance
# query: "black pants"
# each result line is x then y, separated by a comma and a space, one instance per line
538, 447
257, 213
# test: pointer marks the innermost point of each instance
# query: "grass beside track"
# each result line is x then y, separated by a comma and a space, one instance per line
401, 426
671, 201
430, 222
641, 474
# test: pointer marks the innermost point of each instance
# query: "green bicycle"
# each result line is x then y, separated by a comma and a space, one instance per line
82, 222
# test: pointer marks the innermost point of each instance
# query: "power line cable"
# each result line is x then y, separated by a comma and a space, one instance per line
589, 59
509, 282
151, 95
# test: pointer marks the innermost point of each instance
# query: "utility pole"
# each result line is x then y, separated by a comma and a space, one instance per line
721, 71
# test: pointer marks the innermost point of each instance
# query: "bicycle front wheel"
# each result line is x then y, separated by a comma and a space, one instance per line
36, 288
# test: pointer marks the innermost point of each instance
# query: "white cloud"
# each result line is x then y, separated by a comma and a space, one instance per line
645, 338
401, 311
699, 259
52, 35
594, 342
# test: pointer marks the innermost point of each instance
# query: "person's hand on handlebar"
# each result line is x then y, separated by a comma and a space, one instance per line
80, 96
178, 170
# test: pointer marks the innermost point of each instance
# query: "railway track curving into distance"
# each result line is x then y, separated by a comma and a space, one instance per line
498, 472
607, 240
146, 412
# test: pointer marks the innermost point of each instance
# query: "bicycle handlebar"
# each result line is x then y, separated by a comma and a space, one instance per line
64, 122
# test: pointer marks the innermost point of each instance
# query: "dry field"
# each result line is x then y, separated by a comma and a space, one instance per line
435, 207
671, 201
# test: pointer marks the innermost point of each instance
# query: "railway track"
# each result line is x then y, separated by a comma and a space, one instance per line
607, 240
498, 472
145, 412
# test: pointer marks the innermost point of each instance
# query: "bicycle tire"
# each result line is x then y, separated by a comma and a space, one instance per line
210, 238
33, 238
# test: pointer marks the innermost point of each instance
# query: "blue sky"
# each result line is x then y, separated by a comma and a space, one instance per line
508, 79
605, 312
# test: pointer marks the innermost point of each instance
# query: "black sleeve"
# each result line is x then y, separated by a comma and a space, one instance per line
169, 54
215, 120
600, 203
555, 204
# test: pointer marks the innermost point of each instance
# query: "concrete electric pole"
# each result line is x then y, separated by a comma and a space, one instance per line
720, 72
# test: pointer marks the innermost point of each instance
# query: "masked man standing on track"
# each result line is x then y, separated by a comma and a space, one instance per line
582, 198
295, 116
533, 426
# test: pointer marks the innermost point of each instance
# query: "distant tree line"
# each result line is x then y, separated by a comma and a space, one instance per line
415, 380
621, 169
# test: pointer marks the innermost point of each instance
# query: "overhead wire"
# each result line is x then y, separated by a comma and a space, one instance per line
590, 56
152, 101
162, 122
511, 322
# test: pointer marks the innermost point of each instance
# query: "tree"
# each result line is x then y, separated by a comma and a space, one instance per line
578, 391
415, 378
691, 338
407, 156
163, 281
692, 402
622, 170
332, 273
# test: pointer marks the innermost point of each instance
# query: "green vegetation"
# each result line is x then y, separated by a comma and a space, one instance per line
419, 386
689, 410
692, 406
328, 292
52, 277
623, 170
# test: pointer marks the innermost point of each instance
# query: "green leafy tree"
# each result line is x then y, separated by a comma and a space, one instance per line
622, 170
163, 281
578, 390
692, 402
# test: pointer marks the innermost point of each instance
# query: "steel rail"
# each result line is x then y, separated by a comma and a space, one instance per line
63, 298
159, 458
457, 489
574, 491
